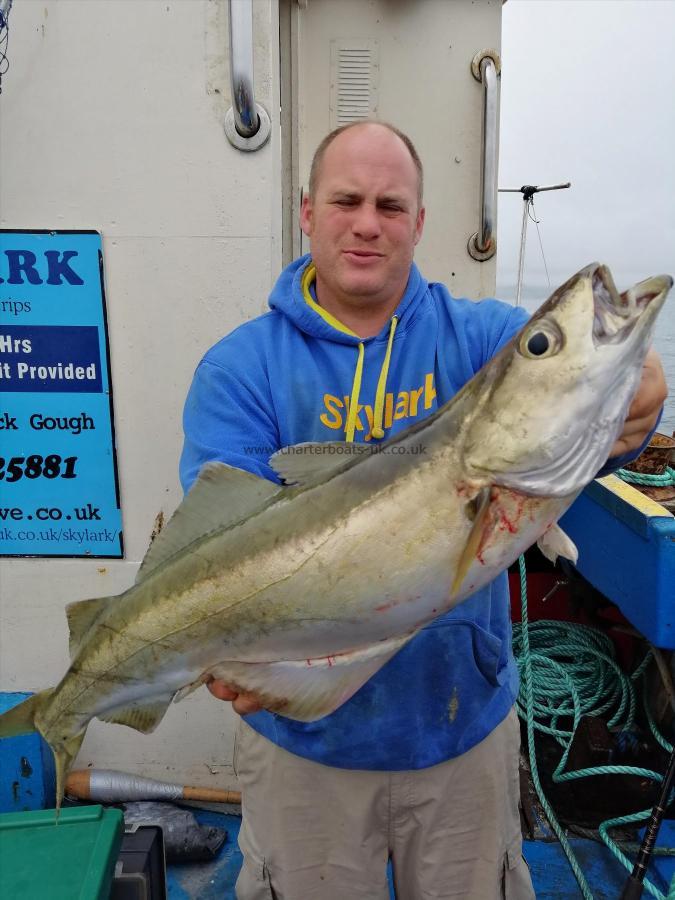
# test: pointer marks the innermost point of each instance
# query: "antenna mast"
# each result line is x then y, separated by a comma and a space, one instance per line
528, 191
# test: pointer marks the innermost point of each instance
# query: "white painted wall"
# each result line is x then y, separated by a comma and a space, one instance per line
425, 87
111, 118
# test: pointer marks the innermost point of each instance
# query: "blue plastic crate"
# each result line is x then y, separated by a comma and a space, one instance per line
27, 776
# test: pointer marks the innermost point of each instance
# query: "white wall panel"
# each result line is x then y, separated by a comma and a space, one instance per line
425, 87
112, 118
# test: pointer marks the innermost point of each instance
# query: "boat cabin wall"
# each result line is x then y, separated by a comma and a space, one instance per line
112, 120
408, 63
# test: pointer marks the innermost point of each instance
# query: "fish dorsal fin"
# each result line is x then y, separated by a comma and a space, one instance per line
81, 616
309, 689
311, 461
144, 716
221, 496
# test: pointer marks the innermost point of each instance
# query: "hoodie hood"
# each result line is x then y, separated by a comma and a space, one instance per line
287, 298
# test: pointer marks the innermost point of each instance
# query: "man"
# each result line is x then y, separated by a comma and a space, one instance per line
421, 765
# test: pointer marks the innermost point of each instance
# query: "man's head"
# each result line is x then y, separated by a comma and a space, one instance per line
363, 216
330, 137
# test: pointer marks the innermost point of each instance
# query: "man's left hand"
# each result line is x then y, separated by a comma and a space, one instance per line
645, 408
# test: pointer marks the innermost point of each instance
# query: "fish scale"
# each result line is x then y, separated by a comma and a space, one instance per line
300, 593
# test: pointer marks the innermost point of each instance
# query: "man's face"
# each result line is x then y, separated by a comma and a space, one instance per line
363, 221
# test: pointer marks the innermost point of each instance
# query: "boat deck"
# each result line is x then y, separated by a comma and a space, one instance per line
551, 874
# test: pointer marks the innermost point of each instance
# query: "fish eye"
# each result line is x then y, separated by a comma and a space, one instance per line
538, 343
541, 340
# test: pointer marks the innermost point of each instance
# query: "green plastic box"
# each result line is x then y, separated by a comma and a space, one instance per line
72, 860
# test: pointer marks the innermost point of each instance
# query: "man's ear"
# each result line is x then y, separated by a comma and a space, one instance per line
306, 215
419, 224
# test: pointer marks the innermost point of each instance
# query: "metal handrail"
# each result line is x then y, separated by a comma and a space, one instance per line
241, 67
247, 125
489, 180
483, 244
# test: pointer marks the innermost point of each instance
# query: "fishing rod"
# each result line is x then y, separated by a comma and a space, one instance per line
633, 888
528, 191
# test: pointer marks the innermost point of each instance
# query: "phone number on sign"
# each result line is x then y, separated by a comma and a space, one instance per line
52, 466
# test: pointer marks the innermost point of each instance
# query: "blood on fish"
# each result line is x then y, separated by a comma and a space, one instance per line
512, 527
499, 519
511, 524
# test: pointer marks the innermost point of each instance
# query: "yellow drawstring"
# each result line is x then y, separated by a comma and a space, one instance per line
350, 427
378, 414
308, 277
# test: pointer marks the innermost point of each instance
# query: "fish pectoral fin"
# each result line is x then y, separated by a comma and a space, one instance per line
311, 461
554, 543
478, 509
143, 716
81, 616
220, 497
308, 689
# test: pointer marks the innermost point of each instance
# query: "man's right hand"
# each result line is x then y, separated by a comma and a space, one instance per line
241, 702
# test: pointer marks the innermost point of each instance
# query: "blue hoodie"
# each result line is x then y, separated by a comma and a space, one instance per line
287, 377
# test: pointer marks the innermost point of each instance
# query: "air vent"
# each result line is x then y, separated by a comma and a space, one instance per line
354, 72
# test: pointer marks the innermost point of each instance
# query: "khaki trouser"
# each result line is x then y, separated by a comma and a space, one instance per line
313, 832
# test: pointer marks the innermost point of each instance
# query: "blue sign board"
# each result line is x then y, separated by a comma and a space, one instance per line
59, 492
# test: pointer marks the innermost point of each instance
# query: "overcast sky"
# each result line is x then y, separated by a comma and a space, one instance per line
588, 96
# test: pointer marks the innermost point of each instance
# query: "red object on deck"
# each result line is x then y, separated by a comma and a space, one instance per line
562, 608
557, 606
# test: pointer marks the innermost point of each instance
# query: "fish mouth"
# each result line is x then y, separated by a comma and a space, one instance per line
616, 315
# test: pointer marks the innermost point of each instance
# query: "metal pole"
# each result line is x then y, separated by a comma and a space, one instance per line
528, 190
521, 257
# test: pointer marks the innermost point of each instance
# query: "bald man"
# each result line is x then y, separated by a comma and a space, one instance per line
420, 766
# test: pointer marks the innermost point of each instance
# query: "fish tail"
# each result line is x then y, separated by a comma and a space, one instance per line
20, 719
64, 755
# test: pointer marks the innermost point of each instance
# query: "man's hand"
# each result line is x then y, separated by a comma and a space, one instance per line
645, 408
241, 703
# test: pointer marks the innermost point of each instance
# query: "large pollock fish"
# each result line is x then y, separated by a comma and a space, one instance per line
301, 593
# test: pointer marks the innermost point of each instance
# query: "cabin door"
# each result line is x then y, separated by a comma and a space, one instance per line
408, 63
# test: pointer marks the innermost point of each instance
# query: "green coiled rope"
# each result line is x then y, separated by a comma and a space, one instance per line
664, 480
568, 671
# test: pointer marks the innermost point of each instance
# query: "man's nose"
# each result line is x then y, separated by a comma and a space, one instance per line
366, 223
